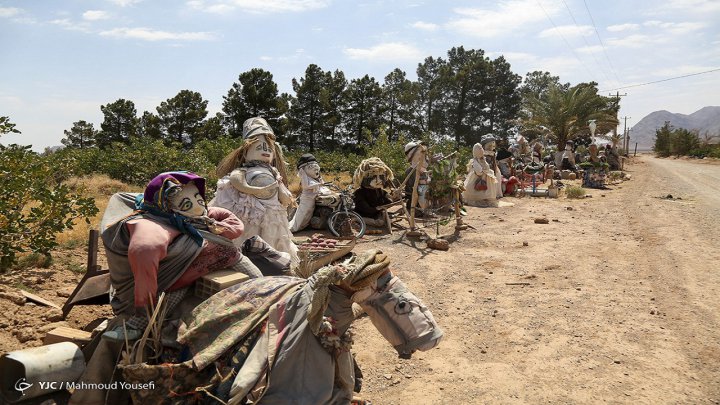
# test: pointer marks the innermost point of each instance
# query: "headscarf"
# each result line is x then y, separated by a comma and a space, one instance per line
154, 200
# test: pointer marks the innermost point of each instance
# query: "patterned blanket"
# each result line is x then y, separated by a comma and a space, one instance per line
229, 316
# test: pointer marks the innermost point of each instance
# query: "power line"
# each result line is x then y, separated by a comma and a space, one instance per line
563, 38
663, 80
612, 68
597, 63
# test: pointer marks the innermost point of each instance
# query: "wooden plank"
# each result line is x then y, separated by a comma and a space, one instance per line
211, 283
39, 300
65, 334
93, 243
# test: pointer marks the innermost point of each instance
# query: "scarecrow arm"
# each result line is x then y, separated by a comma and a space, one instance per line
230, 225
237, 179
148, 245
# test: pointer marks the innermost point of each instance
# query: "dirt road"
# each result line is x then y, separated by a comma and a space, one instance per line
621, 303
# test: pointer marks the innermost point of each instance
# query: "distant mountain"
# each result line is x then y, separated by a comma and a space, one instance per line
706, 119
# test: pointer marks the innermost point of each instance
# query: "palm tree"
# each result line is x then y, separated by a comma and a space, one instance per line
565, 112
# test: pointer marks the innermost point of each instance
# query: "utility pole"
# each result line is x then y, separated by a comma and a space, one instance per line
617, 96
625, 136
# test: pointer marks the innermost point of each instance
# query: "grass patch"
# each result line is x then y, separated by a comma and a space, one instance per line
575, 192
33, 260
71, 244
21, 286
76, 268
101, 188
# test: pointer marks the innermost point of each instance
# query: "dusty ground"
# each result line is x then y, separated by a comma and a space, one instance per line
621, 302
615, 300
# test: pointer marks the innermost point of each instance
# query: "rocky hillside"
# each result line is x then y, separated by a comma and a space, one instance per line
705, 120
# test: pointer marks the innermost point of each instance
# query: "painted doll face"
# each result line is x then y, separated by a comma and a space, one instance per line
260, 150
187, 201
376, 181
312, 169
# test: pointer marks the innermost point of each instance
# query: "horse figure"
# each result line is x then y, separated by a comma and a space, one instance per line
282, 340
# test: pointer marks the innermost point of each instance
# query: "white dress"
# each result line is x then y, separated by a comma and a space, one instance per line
264, 217
480, 169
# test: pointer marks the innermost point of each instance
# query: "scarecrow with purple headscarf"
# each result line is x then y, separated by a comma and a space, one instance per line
169, 241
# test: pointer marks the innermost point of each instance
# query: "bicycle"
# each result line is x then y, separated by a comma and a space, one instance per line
343, 221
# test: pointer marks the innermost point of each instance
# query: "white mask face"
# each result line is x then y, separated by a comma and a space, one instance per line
260, 150
312, 169
188, 201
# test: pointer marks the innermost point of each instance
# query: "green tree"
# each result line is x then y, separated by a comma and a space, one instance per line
537, 85
398, 97
363, 109
663, 140
119, 122
308, 109
428, 94
332, 100
82, 135
213, 127
6, 126
564, 113
255, 94
181, 117
502, 98
683, 141
149, 126
464, 80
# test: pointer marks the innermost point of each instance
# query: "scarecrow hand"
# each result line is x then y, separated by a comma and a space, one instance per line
284, 195
216, 227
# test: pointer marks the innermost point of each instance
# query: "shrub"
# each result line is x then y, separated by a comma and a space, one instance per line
36, 205
575, 192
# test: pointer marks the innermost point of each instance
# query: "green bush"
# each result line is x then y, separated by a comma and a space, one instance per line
36, 205
575, 192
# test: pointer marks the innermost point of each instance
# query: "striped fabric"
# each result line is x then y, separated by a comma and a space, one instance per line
270, 261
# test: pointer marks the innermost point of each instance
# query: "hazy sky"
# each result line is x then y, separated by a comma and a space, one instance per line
61, 60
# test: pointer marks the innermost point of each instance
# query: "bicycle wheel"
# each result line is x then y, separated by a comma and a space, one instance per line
348, 223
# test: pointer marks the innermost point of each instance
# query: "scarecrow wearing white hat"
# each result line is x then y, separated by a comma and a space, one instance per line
313, 188
253, 185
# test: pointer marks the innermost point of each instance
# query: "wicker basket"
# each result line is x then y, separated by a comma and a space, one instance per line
313, 259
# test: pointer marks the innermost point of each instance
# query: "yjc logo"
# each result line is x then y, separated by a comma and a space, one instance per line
21, 385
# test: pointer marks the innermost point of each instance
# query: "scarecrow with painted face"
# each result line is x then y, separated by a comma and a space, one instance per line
253, 185
168, 242
370, 181
313, 189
